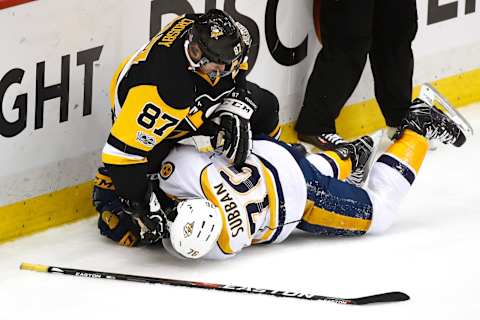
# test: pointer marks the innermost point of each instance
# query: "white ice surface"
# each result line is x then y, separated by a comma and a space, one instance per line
431, 253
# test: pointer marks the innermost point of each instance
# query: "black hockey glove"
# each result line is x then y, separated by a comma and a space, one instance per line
240, 101
113, 223
152, 224
234, 138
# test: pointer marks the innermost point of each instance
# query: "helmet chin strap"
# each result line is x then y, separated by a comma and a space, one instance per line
193, 65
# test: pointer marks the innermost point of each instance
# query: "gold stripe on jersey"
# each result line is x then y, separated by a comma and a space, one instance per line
176, 135
318, 216
244, 65
143, 55
410, 148
344, 166
119, 160
196, 119
224, 241
126, 127
275, 132
113, 83
207, 78
273, 206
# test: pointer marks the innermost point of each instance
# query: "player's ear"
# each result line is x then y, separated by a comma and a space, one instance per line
194, 51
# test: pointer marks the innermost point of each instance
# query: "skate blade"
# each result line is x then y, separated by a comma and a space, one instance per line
430, 95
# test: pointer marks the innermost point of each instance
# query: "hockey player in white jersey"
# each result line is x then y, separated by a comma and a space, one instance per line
224, 208
217, 209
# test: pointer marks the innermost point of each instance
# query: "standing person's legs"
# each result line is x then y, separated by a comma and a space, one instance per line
391, 56
346, 28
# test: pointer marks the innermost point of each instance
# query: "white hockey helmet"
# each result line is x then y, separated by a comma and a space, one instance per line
196, 228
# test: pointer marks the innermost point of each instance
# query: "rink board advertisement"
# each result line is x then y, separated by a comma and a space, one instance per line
59, 57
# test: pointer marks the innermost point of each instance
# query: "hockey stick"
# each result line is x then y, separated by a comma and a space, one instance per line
383, 297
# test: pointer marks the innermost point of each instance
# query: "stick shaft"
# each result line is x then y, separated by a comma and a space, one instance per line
383, 297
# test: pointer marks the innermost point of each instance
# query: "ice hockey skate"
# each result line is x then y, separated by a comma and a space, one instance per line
360, 151
444, 123
323, 141
434, 98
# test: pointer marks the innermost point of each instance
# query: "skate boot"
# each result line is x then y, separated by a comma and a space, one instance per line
434, 124
360, 152
325, 141
444, 125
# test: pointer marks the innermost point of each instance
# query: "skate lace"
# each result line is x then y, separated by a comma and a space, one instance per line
333, 138
357, 177
362, 153
440, 134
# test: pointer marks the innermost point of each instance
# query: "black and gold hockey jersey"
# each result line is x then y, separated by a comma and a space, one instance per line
156, 96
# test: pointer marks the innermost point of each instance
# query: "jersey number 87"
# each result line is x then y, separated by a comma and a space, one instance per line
149, 116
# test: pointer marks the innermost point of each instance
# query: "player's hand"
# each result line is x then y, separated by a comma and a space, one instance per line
239, 102
152, 224
234, 138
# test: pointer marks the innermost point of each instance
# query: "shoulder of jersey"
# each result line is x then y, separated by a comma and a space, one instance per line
169, 65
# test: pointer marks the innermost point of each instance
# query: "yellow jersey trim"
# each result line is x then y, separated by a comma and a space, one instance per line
272, 204
111, 159
344, 167
410, 148
318, 216
140, 102
223, 242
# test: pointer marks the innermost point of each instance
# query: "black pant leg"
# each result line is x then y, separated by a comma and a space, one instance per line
391, 57
346, 31
266, 118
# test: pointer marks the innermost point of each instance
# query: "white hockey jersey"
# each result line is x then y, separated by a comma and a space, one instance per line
261, 203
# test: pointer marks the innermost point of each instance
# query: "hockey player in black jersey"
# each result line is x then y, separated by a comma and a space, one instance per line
218, 209
187, 83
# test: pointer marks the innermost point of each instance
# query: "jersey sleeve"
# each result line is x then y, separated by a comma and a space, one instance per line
144, 121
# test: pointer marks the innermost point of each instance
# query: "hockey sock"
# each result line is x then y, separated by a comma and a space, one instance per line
330, 164
406, 155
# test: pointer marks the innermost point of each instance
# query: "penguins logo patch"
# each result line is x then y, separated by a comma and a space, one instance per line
167, 170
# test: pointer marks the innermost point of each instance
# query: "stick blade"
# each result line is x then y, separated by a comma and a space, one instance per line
380, 298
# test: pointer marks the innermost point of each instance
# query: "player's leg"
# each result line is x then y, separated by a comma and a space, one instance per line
394, 172
334, 207
337, 208
349, 160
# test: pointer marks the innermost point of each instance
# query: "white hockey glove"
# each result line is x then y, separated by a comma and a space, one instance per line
234, 138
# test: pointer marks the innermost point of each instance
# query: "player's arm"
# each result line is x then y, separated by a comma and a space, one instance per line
143, 123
